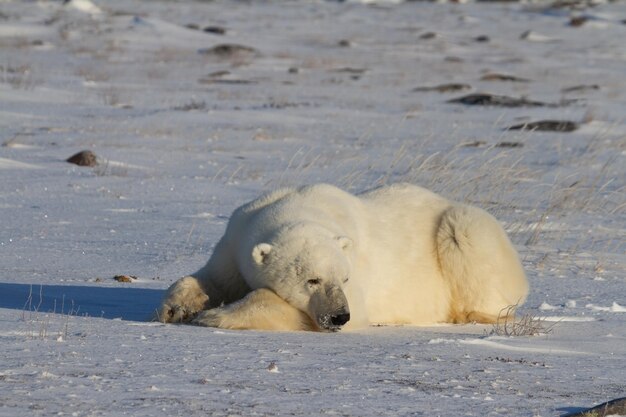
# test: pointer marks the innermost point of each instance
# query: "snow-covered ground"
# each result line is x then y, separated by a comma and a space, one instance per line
323, 91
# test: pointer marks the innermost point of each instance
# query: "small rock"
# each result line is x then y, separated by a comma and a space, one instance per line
474, 144
261, 136
580, 88
218, 74
577, 21
344, 43
509, 145
547, 126
485, 99
217, 30
84, 159
350, 70
444, 88
223, 77
272, 367
428, 35
482, 38
531, 36
125, 278
503, 77
228, 50
229, 81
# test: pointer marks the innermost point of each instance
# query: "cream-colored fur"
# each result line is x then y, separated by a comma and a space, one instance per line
259, 310
315, 257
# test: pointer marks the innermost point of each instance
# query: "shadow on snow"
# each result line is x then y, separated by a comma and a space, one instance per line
135, 304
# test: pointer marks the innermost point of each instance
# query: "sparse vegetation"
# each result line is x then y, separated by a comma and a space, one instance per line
191, 105
19, 77
526, 325
40, 323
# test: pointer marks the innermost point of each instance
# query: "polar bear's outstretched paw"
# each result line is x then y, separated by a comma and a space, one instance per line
261, 309
182, 301
216, 317
175, 314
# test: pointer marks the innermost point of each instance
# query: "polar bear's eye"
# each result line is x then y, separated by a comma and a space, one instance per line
314, 282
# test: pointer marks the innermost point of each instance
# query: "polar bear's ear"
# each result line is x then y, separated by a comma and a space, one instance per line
260, 253
345, 242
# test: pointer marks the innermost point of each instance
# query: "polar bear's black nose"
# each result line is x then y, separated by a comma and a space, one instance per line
340, 319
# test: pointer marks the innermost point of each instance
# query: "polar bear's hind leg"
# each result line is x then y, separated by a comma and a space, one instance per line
480, 266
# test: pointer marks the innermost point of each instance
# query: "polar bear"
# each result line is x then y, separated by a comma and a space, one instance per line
319, 258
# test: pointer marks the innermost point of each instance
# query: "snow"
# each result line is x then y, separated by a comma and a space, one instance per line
615, 308
326, 95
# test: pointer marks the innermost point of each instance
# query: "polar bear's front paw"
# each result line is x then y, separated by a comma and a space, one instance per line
216, 317
183, 300
175, 313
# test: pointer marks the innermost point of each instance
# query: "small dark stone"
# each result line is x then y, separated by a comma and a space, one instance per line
482, 99
84, 159
509, 145
503, 77
350, 70
577, 21
482, 38
228, 50
225, 81
580, 88
547, 126
293, 70
428, 35
344, 43
217, 74
444, 88
474, 144
192, 26
217, 30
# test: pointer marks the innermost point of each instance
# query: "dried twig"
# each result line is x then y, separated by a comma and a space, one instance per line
526, 325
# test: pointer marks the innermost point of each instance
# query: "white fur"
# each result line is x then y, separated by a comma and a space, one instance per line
394, 255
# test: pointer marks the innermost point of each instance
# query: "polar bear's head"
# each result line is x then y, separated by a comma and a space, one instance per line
309, 268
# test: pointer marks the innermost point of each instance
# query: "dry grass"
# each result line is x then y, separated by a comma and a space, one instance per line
106, 168
526, 325
92, 74
40, 323
19, 77
191, 105
110, 96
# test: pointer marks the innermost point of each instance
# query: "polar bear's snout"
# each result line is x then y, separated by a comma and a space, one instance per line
333, 321
340, 319
329, 308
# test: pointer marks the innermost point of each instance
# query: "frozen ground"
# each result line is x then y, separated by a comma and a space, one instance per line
186, 133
